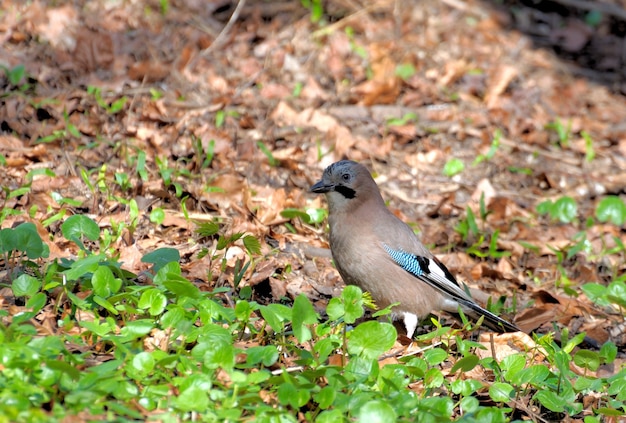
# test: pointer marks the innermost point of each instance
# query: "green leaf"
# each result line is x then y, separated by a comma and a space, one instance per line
611, 209
243, 310
25, 286
618, 386
141, 365
535, 375
330, 416
465, 364
137, 328
471, 221
564, 209
433, 378
453, 167
606, 411
583, 383
79, 225
335, 309
616, 293
352, 298
252, 244
275, 315
316, 215
362, 368
495, 144
303, 315
37, 301
268, 153
465, 387
590, 153
376, 411
501, 392
266, 355
192, 399
83, 266
441, 407
512, 365
325, 397
157, 215
181, 287
608, 352
435, 356
161, 257
205, 229
105, 303
117, 105
104, 283
405, 70
25, 239
544, 207
470, 405
325, 347
64, 367
289, 394
371, 339
153, 300
596, 293
174, 316
16, 74
309, 216
291, 213
100, 329
587, 359
551, 400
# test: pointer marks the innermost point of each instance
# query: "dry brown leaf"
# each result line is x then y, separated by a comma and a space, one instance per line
130, 257
149, 71
384, 86
94, 50
506, 344
275, 91
58, 27
499, 82
452, 72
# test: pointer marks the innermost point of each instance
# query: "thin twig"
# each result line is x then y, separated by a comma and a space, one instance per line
344, 21
219, 40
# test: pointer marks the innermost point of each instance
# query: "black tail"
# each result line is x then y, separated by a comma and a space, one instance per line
492, 321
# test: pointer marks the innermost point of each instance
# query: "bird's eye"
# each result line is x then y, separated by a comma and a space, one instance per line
345, 177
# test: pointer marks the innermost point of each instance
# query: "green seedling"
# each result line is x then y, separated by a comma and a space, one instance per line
611, 209
405, 71
495, 144
112, 108
404, 120
316, 8
562, 131
563, 210
268, 153
453, 167
203, 156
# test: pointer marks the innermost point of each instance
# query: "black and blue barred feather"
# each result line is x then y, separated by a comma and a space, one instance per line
435, 274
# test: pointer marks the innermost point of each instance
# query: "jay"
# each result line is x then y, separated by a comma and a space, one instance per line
378, 252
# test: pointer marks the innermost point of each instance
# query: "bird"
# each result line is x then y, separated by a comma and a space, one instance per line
375, 250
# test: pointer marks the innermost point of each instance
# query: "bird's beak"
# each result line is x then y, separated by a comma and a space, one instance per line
321, 188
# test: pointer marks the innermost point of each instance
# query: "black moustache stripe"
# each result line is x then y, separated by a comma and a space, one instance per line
345, 191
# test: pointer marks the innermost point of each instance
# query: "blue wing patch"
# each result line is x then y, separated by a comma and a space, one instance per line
409, 262
431, 271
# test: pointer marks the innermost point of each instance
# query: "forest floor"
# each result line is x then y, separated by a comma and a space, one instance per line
498, 131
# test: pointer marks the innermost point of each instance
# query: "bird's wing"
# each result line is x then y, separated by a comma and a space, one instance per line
434, 273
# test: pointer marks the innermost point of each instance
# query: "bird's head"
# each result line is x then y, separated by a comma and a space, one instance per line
346, 183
